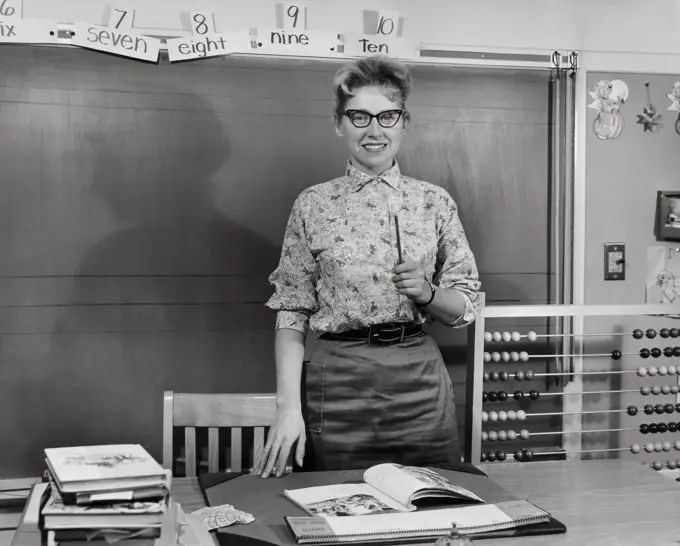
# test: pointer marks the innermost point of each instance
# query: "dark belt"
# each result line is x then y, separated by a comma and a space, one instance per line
380, 334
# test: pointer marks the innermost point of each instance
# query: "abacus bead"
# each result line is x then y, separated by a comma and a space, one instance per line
677, 408
500, 455
644, 353
642, 371
659, 408
493, 436
676, 351
486, 376
528, 454
522, 415
502, 415
668, 351
491, 456
485, 436
656, 465
524, 434
493, 396
505, 356
671, 465
655, 352
672, 370
645, 390
662, 427
493, 376
635, 448
664, 332
519, 375
666, 389
616, 354
666, 446
658, 447
651, 333
516, 336
649, 447
632, 410
532, 336
533, 394
676, 445
653, 428
496, 336
487, 357
675, 389
503, 376
656, 390
663, 370
518, 395
669, 408
485, 417
502, 435
514, 356
493, 416
487, 337
506, 336
672, 427
644, 428
482, 457
675, 332
529, 375
512, 415
496, 356
519, 455
502, 396
512, 435
485, 396
648, 409
638, 334
524, 356
652, 371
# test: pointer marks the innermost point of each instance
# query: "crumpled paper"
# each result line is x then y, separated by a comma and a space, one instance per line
214, 517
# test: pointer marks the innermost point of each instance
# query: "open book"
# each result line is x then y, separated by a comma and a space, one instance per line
388, 488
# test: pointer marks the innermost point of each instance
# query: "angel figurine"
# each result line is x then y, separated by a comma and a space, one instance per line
674, 97
608, 97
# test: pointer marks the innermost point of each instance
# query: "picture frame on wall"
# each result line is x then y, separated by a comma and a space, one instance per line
667, 221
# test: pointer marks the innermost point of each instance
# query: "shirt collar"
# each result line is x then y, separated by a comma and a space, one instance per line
391, 176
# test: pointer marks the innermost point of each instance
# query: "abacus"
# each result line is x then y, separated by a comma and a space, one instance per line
635, 369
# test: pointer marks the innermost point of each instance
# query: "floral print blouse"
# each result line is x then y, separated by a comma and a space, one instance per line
340, 246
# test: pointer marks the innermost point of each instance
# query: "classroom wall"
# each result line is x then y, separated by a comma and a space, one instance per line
599, 25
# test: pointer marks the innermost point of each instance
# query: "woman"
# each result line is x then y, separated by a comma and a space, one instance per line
367, 258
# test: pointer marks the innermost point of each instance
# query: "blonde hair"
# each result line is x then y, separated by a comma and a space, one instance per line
378, 71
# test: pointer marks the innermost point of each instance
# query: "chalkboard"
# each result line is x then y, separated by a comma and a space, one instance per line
143, 208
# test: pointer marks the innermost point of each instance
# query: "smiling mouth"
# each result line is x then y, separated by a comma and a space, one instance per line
374, 147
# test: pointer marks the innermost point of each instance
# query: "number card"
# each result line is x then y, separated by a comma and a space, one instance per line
28, 31
11, 9
121, 19
366, 45
294, 16
202, 23
388, 23
124, 43
208, 45
287, 42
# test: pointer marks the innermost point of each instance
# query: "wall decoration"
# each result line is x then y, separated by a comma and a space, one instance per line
609, 97
650, 119
667, 218
674, 97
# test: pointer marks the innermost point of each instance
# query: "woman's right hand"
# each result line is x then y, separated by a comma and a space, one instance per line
288, 429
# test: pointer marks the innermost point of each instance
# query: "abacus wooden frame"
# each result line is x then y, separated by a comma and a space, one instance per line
475, 362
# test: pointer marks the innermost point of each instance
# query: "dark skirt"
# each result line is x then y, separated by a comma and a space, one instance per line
365, 405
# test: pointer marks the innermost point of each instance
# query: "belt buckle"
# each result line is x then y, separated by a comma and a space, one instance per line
371, 335
393, 327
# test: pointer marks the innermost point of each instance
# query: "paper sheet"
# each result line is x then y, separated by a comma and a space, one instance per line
663, 275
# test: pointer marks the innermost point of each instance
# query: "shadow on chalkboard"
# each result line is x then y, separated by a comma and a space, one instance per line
173, 298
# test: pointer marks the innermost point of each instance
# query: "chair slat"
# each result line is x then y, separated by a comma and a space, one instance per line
236, 450
190, 452
213, 449
258, 443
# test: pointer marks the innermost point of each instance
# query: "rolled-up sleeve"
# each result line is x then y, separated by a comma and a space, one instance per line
295, 278
456, 266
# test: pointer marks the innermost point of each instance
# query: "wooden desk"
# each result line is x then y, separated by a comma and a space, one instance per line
608, 503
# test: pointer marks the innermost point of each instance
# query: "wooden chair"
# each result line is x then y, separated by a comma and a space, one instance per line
215, 411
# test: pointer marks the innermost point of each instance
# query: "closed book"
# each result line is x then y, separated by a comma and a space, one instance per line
428, 524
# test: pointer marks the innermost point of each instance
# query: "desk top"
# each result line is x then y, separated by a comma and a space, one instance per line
607, 502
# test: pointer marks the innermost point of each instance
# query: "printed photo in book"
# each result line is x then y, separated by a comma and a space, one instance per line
387, 488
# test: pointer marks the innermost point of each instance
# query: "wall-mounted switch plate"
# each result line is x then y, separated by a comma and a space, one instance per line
614, 262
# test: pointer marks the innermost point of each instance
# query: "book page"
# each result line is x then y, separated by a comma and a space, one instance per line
403, 482
352, 499
464, 517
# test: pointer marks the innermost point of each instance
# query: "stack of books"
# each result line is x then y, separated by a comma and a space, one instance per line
108, 493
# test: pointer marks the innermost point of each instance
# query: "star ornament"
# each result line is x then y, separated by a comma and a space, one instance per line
649, 119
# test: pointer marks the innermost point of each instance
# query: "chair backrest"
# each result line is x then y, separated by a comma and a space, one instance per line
215, 411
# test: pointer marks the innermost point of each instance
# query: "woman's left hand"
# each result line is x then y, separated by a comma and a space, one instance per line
410, 281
